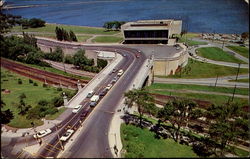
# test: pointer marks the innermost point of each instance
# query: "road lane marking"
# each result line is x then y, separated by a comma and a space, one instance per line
54, 146
20, 154
39, 155
49, 150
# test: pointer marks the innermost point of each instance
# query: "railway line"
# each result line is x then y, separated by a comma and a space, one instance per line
41, 75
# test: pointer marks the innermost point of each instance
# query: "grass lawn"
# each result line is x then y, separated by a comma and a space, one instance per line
216, 99
197, 69
76, 29
242, 91
83, 38
244, 51
191, 42
141, 143
240, 80
217, 54
107, 39
33, 94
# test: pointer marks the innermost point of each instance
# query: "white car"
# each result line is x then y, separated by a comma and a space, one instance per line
67, 135
120, 72
42, 133
109, 86
76, 108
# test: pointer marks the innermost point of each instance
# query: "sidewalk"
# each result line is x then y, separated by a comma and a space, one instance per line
114, 130
93, 83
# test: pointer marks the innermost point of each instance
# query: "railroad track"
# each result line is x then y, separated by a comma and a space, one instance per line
41, 75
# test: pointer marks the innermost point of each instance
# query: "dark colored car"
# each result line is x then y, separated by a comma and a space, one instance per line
84, 114
104, 92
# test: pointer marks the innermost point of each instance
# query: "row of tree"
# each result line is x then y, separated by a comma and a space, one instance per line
226, 123
62, 34
113, 25
31, 23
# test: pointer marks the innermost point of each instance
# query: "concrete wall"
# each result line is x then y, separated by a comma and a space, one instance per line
167, 66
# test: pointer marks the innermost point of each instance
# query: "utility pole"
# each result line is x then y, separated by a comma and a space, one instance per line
237, 72
223, 43
216, 80
233, 93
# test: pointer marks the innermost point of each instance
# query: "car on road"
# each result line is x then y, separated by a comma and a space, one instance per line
84, 114
94, 100
120, 72
114, 79
42, 133
114, 70
104, 92
67, 135
90, 94
137, 55
76, 108
109, 86
124, 55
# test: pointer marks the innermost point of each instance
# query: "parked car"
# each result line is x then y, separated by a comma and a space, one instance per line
90, 94
94, 100
104, 92
76, 108
114, 70
42, 133
114, 80
84, 114
109, 86
67, 135
120, 72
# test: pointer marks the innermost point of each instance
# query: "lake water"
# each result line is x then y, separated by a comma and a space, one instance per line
221, 16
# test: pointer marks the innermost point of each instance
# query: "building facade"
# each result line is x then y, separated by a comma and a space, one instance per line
151, 31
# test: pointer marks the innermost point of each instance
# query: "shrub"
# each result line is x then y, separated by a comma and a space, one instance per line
101, 63
59, 89
69, 59
22, 96
35, 84
57, 101
30, 81
20, 81
43, 102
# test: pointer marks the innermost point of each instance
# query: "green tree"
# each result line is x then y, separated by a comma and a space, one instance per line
72, 36
244, 36
142, 100
30, 39
22, 96
59, 33
227, 125
178, 113
7, 115
35, 23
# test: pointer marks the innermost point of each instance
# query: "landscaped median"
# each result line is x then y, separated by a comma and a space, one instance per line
217, 54
14, 87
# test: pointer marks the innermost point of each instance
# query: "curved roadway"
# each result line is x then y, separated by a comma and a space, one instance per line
93, 139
